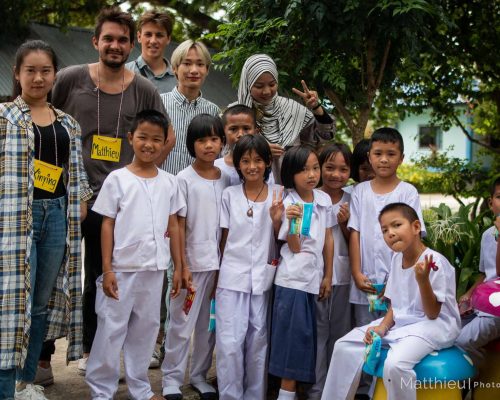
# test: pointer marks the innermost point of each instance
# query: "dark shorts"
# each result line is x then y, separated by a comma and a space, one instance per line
293, 335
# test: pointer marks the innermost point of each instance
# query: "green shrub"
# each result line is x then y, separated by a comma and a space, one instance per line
458, 238
420, 177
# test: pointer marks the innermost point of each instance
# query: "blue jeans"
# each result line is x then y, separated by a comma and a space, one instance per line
47, 253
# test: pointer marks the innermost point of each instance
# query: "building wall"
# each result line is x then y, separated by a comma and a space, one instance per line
453, 142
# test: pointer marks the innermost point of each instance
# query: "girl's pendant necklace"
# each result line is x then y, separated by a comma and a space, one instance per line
250, 208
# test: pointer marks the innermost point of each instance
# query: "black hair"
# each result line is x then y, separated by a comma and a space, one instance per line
153, 117
388, 135
406, 211
201, 126
239, 109
294, 162
118, 16
256, 143
21, 53
359, 157
494, 185
331, 149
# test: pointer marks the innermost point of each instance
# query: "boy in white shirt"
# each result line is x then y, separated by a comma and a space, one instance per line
369, 255
484, 327
423, 315
139, 236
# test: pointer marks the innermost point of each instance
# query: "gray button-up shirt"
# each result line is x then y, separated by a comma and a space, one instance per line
164, 82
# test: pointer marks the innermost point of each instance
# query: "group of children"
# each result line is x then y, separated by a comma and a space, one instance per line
284, 265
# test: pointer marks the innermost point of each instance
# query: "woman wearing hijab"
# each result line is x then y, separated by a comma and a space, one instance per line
282, 121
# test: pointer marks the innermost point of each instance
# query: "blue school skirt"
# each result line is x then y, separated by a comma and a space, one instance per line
293, 335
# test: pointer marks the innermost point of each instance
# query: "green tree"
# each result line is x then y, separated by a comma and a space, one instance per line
193, 18
459, 63
350, 50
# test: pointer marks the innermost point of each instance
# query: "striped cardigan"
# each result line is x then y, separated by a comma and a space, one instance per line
16, 196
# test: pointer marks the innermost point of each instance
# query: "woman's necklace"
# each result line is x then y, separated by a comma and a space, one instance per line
250, 208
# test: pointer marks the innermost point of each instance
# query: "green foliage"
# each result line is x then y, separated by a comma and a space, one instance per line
458, 237
193, 17
422, 178
349, 50
455, 177
458, 64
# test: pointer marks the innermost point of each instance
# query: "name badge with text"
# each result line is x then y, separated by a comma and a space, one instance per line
46, 176
106, 148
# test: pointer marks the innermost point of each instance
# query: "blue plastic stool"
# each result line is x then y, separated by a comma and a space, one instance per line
447, 365
489, 374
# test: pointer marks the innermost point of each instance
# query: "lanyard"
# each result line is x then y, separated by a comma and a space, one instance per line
99, 103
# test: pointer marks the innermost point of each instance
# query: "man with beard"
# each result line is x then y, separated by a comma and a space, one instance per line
104, 98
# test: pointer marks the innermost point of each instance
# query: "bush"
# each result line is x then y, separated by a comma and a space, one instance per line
458, 238
420, 177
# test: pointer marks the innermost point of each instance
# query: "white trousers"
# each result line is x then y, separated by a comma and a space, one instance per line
242, 341
333, 320
399, 377
131, 323
476, 334
180, 329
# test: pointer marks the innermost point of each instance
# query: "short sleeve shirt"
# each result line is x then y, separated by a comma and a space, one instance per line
365, 208
304, 270
75, 93
141, 208
341, 266
409, 316
487, 260
202, 198
248, 251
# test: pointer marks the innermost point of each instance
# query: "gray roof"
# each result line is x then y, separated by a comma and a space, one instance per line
74, 46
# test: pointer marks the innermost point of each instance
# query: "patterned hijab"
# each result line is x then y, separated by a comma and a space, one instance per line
282, 119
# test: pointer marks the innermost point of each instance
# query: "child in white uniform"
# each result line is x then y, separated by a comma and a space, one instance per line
238, 120
333, 316
138, 204
484, 327
250, 218
423, 315
200, 186
369, 255
304, 272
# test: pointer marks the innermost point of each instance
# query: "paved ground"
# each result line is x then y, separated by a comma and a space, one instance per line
68, 384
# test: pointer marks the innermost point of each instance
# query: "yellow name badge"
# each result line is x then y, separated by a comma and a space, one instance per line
46, 176
106, 148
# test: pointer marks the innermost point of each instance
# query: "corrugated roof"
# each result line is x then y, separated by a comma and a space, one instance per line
74, 46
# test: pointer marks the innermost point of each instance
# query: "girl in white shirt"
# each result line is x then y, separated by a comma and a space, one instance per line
304, 272
250, 218
333, 316
200, 187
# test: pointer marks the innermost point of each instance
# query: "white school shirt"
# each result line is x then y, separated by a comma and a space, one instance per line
365, 208
409, 317
245, 265
304, 270
341, 266
202, 202
487, 260
230, 171
141, 208
488, 253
